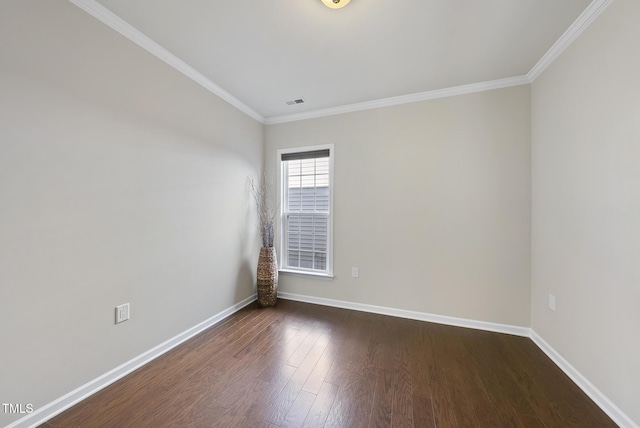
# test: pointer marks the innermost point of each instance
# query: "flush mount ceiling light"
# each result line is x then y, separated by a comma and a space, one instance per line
335, 4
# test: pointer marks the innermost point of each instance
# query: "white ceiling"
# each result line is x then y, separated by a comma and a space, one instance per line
265, 52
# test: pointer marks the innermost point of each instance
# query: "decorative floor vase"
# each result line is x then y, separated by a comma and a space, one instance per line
267, 277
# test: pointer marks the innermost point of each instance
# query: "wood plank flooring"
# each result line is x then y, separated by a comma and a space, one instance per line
302, 365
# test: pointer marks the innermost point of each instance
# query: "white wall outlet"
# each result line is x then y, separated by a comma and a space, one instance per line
122, 313
552, 302
355, 272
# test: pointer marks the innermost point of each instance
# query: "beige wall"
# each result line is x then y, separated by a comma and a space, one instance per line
123, 181
432, 203
120, 181
586, 204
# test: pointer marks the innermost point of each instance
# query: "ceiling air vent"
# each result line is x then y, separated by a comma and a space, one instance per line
294, 102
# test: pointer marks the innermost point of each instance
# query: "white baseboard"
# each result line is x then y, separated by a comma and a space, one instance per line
601, 400
618, 416
401, 313
50, 410
58, 406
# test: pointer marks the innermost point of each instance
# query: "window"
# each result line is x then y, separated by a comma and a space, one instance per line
306, 198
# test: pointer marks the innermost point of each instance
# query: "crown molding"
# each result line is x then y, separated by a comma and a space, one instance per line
595, 8
403, 99
107, 17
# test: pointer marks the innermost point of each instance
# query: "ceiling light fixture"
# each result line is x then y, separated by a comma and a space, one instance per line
335, 4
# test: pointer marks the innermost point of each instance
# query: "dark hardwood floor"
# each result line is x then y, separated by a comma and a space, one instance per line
302, 365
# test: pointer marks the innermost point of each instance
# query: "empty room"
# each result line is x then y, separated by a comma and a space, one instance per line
319, 213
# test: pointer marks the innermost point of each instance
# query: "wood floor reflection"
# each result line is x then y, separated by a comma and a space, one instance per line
303, 365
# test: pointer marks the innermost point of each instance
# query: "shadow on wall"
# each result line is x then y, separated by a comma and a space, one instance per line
127, 83
248, 252
245, 281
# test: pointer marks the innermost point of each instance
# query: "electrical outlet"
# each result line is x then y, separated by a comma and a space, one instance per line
354, 272
552, 302
122, 313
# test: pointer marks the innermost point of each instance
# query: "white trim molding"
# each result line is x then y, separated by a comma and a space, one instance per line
403, 99
59, 405
112, 20
95, 9
579, 25
601, 400
607, 406
56, 407
402, 313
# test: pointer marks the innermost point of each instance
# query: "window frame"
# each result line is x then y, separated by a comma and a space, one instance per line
282, 214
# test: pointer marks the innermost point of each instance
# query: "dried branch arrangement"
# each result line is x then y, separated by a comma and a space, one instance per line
262, 194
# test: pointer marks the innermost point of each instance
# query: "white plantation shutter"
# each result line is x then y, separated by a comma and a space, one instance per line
306, 198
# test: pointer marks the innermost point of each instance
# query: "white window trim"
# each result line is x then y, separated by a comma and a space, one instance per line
281, 212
